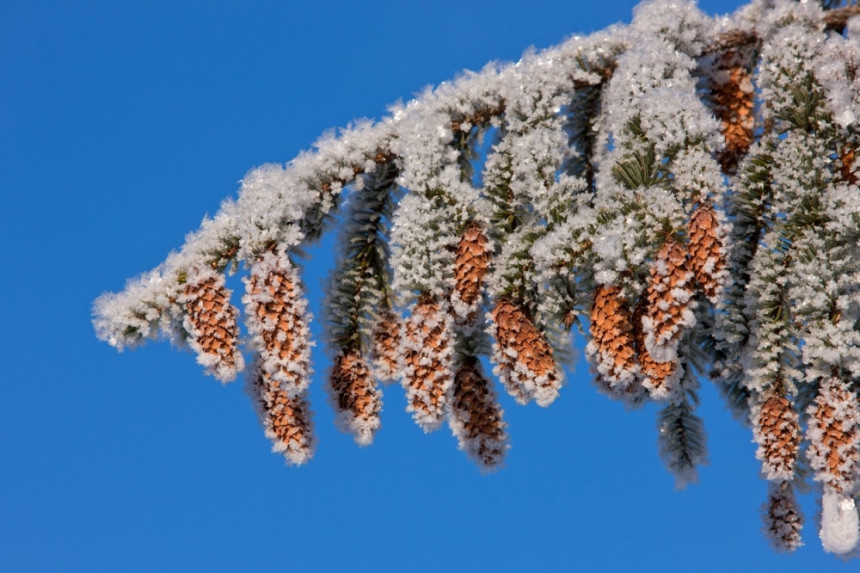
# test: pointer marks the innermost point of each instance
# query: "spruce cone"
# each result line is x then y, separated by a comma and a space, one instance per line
670, 302
385, 348
733, 97
776, 428
357, 399
708, 251
275, 315
611, 348
659, 378
210, 321
834, 435
476, 416
286, 419
426, 350
782, 517
847, 168
523, 358
470, 267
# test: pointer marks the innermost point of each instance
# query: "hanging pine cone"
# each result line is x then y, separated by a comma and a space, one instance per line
670, 302
660, 379
776, 428
834, 435
782, 517
210, 321
470, 267
849, 175
355, 396
708, 251
476, 416
427, 352
611, 348
275, 315
286, 419
385, 346
523, 358
733, 98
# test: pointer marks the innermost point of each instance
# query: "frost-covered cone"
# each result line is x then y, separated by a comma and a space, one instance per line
708, 251
834, 436
612, 348
426, 350
385, 346
733, 97
476, 417
782, 518
275, 312
523, 358
356, 397
470, 267
776, 428
660, 379
286, 419
847, 168
210, 321
840, 525
670, 302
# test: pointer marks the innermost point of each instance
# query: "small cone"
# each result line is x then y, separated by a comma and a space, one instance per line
523, 358
426, 351
611, 348
733, 98
669, 302
385, 347
275, 315
286, 419
470, 267
782, 517
210, 321
659, 378
776, 428
356, 398
834, 436
849, 175
476, 417
708, 252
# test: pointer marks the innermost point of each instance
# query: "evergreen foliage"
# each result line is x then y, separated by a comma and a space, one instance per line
682, 190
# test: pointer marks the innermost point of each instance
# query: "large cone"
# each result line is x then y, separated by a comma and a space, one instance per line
708, 252
427, 353
356, 397
470, 267
523, 358
210, 321
776, 428
476, 417
611, 348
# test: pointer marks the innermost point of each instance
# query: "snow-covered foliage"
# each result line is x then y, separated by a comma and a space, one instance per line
683, 190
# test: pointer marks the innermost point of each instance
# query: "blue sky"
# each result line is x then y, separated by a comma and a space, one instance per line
122, 125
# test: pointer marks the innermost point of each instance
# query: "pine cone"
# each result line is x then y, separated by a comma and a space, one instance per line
523, 358
470, 267
782, 517
611, 348
733, 98
286, 419
834, 435
210, 321
426, 351
385, 348
659, 378
476, 416
670, 302
355, 396
847, 168
708, 251
275, 315
776, 428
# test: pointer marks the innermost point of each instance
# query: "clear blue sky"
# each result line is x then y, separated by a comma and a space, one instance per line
121, 125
